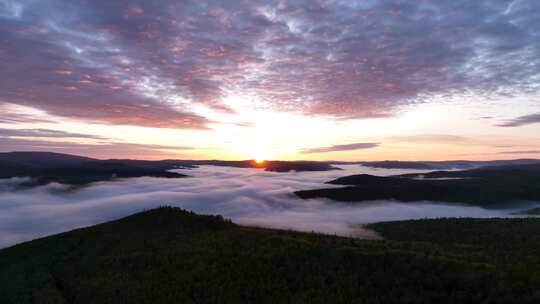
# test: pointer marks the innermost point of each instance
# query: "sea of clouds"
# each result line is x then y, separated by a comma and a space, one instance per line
247, 196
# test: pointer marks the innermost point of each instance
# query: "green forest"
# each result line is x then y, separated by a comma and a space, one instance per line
168, 255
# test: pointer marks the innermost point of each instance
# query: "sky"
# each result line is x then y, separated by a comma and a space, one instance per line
242, 79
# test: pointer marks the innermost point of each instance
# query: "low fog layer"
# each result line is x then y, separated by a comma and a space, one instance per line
247, 196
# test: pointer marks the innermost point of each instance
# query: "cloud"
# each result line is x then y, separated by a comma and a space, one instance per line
12, 115
154, 64
336, 148
77, 143
13, 118
432, 138
522, 121
46, 133
247, 196
521, 152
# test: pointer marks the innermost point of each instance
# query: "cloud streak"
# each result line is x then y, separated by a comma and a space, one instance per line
104, 149
338, 148
521, 152
522, 121
432, 138
45, 133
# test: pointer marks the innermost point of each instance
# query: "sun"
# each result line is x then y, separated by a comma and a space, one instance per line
260, 156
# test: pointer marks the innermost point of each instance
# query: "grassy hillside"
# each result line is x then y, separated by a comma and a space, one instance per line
171, 256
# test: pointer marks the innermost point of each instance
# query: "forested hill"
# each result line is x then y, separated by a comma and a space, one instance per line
488, 187
172, 256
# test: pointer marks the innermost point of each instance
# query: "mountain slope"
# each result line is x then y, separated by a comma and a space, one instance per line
172, 256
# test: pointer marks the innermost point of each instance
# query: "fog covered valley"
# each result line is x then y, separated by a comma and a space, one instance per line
247, 196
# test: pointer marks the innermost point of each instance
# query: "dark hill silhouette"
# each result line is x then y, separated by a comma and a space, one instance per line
46, 167
446, 165
43, 159
489, 186
287, 166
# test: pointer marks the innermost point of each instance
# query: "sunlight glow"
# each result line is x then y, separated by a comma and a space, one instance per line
260, 156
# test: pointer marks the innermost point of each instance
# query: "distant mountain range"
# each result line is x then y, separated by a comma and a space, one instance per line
50, 159
42, 159
445, 165
46, 167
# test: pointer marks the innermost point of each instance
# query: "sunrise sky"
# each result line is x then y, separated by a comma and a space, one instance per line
318, 80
